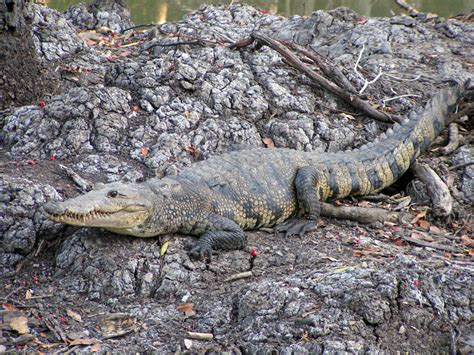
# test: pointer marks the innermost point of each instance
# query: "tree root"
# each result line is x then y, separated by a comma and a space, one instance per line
440, 197
363, 215
453, 140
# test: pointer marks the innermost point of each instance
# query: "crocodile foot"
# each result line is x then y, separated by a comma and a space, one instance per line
201, 252
296, 226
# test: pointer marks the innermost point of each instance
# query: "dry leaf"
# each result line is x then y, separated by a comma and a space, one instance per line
193, 151
346, 115
186, 308
419, 216
85, 341
268, 142
95, 348
436, 230
471, 252
144, 151
188, 343
186, 114
19, 324
424, 224
405, 202
116, 324
364, 204
105, 30
28, 295
469, 242
90, 42
8, 307
74, 315
164, 248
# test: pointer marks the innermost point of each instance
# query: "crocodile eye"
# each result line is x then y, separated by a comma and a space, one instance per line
112, 193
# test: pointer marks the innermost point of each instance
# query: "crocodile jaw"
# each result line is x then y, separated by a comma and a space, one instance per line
127, 217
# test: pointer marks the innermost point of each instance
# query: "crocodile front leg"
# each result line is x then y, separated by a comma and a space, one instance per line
220, 233
307, 192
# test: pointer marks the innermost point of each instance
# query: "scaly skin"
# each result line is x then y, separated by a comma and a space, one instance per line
220, 197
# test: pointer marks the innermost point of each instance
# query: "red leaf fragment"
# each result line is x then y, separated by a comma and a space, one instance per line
8, 307
253, 253
264, 11
31, 162
135, 108
144, 151
41, 104
52, 158
416, 283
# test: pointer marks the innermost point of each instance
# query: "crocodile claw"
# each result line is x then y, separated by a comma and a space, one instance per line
296, 226
201, 252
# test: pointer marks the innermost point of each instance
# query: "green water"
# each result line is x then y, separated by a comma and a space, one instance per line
159, 11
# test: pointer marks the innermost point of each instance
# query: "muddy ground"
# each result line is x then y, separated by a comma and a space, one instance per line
147, 102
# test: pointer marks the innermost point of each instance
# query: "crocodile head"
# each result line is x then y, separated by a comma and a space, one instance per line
121, 208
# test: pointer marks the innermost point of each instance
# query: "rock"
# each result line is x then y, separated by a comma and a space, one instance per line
163, 106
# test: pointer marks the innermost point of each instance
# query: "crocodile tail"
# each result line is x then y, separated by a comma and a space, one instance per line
377, 165
399, 147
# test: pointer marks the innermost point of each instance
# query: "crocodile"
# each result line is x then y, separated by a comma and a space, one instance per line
218, 198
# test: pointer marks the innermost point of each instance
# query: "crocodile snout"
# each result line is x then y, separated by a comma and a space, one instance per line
53, 207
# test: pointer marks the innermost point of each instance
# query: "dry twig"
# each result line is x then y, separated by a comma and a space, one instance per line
294, 61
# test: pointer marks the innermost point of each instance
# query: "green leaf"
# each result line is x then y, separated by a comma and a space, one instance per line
164, 248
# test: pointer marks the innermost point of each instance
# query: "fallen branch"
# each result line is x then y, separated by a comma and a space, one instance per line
453, 140
294, 61
82, 183
432, 245
463, 165
362, 214
53, 325
440, 197
240, 275
410, 9
200, 336
384, 101
377, 77
139, 26
331, 71
366, 82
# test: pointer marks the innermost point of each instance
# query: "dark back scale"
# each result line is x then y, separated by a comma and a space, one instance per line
255, 187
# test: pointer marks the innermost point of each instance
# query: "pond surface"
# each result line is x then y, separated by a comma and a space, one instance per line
160, 11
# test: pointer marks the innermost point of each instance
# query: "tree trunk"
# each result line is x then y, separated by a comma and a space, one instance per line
22, 74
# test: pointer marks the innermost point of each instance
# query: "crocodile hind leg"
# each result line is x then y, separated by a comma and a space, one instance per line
308, 203
219, 233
